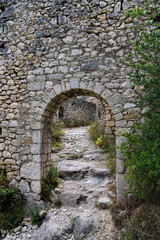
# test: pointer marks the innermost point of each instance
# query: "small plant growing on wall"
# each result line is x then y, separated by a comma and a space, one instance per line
49, 182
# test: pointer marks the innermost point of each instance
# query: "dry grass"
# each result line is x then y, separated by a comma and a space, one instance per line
137, 220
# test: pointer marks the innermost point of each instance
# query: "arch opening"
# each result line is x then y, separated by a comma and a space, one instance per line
106, 120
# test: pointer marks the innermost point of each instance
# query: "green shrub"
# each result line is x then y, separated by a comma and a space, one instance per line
141, 149
36, 217
142, 160
49, 182
56, 135
95, 131
11, 204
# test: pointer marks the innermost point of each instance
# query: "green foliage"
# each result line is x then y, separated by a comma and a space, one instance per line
141, 149
11, 204
36, 217
95, 131
142, 159
49, 182
97, 134
56, 135
99, 141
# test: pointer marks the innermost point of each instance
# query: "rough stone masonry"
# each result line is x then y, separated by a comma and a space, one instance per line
50, 51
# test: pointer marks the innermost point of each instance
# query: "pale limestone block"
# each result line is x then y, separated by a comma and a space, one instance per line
31, 171
36, 186
24, 187
99, 88
74, 83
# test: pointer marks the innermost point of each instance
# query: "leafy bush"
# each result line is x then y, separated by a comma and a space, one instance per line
141, 149
95, 132
11, 204
142, 159
49, 182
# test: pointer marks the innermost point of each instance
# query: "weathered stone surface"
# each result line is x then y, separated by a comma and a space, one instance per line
104, 202
9, 12
66, 46
83, 225
129, 105
2, 146
89, 67
30, 171
73, 170
24, 187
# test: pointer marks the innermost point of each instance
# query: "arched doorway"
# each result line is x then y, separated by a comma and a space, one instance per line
41, 147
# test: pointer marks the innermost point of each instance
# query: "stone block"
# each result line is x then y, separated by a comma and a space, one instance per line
36, 137
57, 89
120, 168
76, 52
89, 67
63, 69
36, 148
128, 93
36, 186
111, 123
13, 123
121, 184
34, 86
119, 140
2, 146
36, 126
37, 158
24, 187
74, 83
38, 71
119, 116
113, 100
121, 123
68, 39
106, 94
31, 171
99, 88
129, 105
49, 84
6, 154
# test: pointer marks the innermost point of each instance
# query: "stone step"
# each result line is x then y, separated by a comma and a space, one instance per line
74, 170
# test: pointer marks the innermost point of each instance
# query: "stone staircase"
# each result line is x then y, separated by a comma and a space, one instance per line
84, 195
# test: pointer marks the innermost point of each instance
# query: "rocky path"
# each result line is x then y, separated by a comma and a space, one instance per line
84, 194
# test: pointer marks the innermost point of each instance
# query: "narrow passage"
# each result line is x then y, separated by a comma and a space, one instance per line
84, 190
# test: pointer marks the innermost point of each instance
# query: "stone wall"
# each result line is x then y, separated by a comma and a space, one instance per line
51, 51
106, 119
77, 112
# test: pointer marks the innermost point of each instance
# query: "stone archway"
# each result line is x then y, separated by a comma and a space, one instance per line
40, 147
